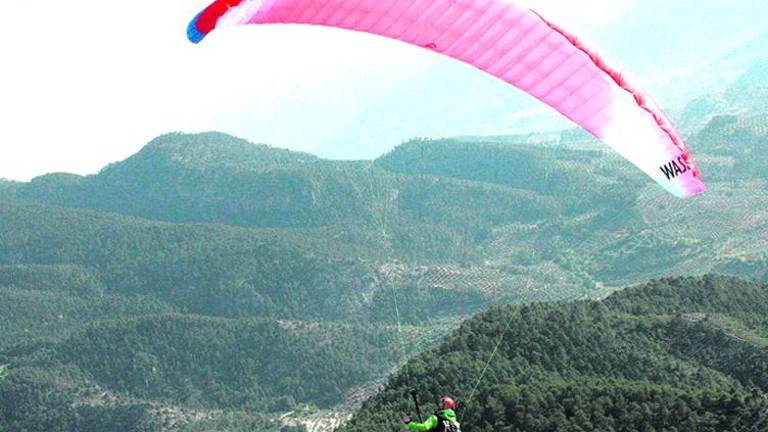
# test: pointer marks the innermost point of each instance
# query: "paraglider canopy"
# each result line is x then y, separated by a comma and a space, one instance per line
512, 43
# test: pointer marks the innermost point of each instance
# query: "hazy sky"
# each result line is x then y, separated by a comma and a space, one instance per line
84, 83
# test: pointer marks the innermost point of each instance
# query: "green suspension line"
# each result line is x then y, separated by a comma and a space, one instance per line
403, 352
514, 314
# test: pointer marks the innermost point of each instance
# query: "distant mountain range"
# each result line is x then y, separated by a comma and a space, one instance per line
158, 293
746, 96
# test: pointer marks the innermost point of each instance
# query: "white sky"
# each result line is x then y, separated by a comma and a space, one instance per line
84, 83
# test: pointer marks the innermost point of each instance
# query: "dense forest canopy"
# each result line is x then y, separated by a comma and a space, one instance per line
672, 354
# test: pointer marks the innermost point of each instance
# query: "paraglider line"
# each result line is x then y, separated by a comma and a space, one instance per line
399, 324
490, 359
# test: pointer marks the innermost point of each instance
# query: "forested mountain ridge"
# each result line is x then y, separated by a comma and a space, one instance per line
226, 271
688, 353
464, 202
191, 266
672, 354
246, 363
171, 371
745, 160
209, 177
215, 150
213, 177
440, 240
207, 237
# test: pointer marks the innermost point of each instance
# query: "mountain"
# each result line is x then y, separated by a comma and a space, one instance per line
226, 271
214, 270
7, 189
739, 141
211, 177
88, 296
53, 316
142, 297
559, 172
746, 96
214, 178
169, 365
484, 217
752, 85
671, 354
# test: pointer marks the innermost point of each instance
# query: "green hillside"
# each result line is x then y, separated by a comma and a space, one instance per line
208, 283
564, 174
737, 141
187, 363
687, 354
566, 209
215, 270
29, 315
213, 177
226, 271
683, 353
217, 363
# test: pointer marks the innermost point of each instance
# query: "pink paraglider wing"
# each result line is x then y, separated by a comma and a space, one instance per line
511, 43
